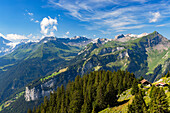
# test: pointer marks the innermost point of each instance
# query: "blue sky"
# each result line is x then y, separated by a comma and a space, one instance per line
33, 19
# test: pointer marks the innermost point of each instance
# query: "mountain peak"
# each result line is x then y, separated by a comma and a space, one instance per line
119, 36
155, 32
2, 39
78, 37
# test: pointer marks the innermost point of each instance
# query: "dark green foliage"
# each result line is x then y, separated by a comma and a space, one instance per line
158, 103
168, 74
91, 93
138, 105
135, 87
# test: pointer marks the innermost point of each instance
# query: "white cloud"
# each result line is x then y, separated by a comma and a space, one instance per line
36, 21
15, 37
155, 18
31, 14
162, 25
55, 28
32, 19
51, 33
30, 35
141, 1
116, 14
67, 33
48, 25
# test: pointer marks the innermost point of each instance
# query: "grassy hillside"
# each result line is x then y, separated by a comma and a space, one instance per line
126, 98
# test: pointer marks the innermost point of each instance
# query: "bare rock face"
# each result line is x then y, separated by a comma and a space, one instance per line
31, 94
36, 92
119, 36
123, 55
110, 50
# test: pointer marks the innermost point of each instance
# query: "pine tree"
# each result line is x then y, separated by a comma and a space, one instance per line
135, 87
63, 107
76, 102
158, 101
138, 105
58, 100
86, 107
110, 96
100, 99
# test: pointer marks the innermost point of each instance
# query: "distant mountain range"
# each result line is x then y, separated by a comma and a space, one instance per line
44, 65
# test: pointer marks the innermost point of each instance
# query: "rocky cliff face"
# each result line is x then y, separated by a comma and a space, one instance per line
42, 90
110, 50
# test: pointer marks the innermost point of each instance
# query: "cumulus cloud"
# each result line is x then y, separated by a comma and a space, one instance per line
156, 16
48, 25
15, 37
67, 33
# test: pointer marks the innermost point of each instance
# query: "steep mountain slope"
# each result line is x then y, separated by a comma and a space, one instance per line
141, 56
34, 60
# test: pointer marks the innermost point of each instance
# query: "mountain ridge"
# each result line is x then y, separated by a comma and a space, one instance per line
99, 54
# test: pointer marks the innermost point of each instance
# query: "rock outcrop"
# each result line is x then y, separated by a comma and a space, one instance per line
119, 36
34, 93
110, 50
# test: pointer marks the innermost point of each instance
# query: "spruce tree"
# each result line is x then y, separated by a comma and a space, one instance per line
158, 101
138, 105
135, 87
100, 99
76, 102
